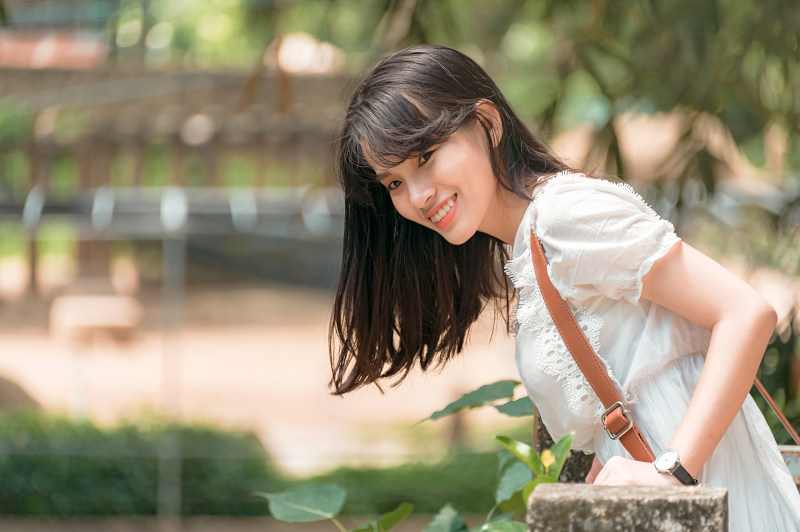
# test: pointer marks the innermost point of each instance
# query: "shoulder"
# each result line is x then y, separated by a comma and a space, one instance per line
569, 201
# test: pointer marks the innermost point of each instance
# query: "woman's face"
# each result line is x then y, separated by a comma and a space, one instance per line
450, 189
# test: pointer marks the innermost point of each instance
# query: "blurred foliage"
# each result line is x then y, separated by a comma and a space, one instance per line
156, 171
779, 373
53, 465
14, 175
194, 171
122, 169
239, 170
64, 177
57, 238
759, 237
560, 62
13, 239
466, 480
16, 123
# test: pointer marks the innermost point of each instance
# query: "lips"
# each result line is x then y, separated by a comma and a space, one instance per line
443, 213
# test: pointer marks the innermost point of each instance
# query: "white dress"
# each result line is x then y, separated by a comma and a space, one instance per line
600, 239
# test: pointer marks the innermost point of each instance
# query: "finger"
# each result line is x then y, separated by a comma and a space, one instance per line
602, 477
593, 471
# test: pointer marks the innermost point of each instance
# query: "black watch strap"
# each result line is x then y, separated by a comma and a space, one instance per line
684, 476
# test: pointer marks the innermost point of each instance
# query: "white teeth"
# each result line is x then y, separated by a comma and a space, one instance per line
444, 210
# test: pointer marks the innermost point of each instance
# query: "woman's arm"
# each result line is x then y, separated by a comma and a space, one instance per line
741, 322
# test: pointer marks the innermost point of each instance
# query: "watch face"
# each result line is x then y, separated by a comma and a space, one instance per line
666, 459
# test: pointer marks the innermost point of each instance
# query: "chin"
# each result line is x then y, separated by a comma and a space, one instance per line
458, 239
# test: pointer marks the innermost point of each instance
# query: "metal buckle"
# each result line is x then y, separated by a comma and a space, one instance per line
625, 414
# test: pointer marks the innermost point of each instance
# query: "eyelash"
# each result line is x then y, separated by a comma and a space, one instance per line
424, 158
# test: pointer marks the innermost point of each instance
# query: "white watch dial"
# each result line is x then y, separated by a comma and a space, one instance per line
666, 460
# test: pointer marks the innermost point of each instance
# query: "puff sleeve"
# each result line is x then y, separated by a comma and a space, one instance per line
600, 238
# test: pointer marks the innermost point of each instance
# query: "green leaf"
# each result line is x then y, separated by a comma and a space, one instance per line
561, 450
503, 526
515, 505
306, 504
482, 396
517, 408
533, 484
447, 520
524, 452
388, 520
502, 517
514, 479
504, 461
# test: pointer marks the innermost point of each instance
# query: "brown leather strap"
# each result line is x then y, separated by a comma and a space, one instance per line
595, 372
615, 420
774, 407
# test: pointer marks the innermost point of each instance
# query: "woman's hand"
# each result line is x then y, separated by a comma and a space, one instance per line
741, 323
620, 471
594, 471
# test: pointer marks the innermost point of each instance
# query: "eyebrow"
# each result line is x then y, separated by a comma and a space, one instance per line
382, 176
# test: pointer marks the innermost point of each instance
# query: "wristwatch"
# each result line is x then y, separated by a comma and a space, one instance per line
668, 461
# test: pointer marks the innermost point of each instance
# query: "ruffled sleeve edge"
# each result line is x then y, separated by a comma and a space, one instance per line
664, 244
666, 240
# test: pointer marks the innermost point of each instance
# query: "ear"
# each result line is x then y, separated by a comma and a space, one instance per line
488, 111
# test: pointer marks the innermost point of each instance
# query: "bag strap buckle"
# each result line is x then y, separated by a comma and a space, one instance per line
625, 415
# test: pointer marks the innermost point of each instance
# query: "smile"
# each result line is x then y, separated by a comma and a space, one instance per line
440, 216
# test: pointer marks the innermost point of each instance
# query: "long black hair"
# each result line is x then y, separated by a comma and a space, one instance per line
406, 295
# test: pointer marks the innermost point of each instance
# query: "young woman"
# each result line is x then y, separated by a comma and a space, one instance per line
440, 177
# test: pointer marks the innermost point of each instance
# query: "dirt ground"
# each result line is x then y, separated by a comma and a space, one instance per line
252, 357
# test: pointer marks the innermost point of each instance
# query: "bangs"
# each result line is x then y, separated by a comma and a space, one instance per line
392, 128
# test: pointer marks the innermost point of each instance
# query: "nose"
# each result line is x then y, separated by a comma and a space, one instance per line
421, 193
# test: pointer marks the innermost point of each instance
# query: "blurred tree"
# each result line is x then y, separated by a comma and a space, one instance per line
589, 61
733, 65
570, 61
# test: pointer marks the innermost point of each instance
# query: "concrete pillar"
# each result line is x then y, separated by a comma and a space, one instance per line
583, 507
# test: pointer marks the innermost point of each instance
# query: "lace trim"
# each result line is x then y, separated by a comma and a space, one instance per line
549, 354
664, 244
569, 177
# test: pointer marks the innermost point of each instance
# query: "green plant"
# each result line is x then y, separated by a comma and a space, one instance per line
545, 468
490, 394
461, 479
55, 466
520, 470
317, 503
523, 470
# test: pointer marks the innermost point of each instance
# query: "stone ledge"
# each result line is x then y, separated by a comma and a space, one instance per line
583, 507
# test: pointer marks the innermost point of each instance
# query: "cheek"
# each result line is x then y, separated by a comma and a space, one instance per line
402, 206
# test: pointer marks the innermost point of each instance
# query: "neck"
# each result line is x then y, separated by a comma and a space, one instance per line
505, 216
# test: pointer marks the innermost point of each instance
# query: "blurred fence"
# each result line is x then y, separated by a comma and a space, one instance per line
191, 161
223, 167
65, 132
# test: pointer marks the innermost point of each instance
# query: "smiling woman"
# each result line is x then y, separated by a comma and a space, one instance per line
406, 296
440, 177
451, 188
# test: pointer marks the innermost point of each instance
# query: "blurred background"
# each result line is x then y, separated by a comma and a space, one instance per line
170, 233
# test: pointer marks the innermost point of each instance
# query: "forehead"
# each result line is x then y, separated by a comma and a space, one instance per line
381, 164
391, 128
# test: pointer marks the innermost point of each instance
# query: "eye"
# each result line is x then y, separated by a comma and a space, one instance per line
391, 185
425, 156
